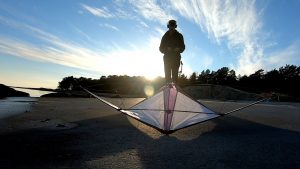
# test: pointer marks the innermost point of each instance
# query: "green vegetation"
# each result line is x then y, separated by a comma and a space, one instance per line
285, 80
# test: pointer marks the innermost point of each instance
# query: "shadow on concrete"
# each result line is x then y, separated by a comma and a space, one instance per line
113, 142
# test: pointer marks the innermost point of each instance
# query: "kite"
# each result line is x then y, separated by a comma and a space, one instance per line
170, 109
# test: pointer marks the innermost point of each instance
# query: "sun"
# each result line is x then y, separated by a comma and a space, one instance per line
153, 70
144, 60
151, 76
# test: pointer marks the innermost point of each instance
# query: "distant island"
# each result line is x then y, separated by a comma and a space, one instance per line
6, 91
220, 84
34, 88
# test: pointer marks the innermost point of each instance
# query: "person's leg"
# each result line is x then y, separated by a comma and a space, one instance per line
167, 65
175, 66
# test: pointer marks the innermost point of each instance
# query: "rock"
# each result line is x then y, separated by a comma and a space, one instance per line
6, 91
67, 94
60, 125
218, 92
46, 120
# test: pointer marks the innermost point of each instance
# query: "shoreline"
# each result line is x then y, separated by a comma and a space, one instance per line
12, 106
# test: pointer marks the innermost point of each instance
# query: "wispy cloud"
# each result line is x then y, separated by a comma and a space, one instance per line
82, 33
250, 59
144, 24
115, 11
289, 55
123, 14
58, 51
138, 10
207, 61
106, 25
99, 12
151, 10
235, 22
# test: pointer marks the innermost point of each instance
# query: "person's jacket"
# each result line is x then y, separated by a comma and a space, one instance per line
173, 41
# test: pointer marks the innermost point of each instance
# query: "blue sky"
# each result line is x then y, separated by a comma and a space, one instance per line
43, 41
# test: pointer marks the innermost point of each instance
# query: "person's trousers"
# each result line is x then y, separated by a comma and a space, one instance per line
171, 65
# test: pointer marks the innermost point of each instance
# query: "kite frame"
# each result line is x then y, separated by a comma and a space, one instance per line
123, 111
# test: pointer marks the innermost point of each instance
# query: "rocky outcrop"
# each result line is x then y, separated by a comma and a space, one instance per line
218, 92
66, 94
6, 91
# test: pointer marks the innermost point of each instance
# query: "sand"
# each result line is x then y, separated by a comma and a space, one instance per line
85, 133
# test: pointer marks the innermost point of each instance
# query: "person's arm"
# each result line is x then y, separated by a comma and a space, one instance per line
162, 46
182, 45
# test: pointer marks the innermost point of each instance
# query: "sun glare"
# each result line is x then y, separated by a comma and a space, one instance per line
153, 68
139, 60
149, 90
151, 77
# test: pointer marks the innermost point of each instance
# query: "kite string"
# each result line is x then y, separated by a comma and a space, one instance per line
222, 107
121, 104
267, 97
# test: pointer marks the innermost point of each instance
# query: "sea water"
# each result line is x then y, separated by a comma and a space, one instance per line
33, 93
11, 106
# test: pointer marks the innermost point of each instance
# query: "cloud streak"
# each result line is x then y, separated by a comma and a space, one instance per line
58, 51
106, 25
152, 11
286, 56
236, 22
99, 12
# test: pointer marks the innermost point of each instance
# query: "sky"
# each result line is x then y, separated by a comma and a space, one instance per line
41, 42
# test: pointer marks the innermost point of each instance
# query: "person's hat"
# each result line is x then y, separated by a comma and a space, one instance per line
172, 23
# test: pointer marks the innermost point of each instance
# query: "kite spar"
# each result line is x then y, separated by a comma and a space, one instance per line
170, 109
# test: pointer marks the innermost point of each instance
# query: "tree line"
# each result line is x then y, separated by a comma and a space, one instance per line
285, 80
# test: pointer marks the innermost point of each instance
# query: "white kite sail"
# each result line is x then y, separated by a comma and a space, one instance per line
171, 109
168, 110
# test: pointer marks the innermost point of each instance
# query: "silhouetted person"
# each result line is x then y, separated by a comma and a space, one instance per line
171, 45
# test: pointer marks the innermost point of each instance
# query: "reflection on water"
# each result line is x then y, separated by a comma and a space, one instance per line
11, 106
33, 93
